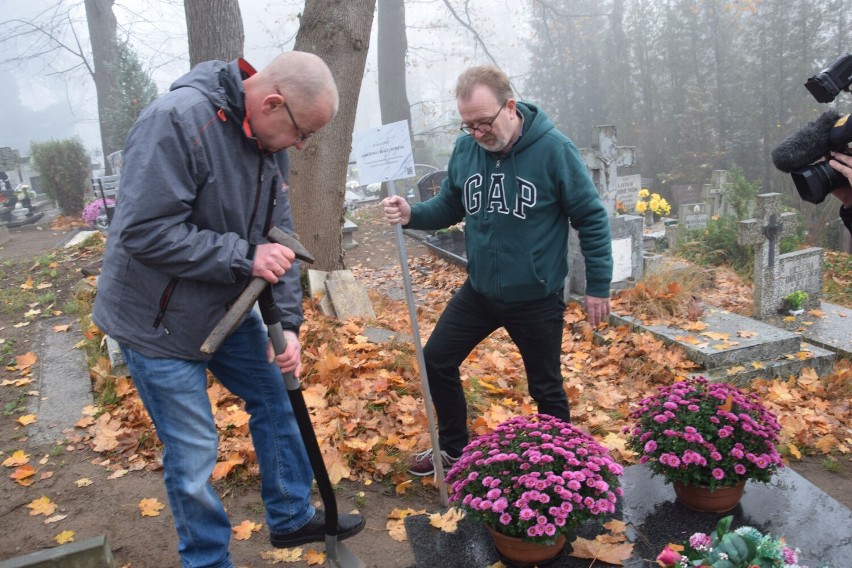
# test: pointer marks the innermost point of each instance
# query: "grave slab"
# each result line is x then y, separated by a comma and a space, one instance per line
471, 546
79, 237
763, 342
379, 336
831, 330
90, 553
788, 506
349, 298
738, 349
316, 288
64, 384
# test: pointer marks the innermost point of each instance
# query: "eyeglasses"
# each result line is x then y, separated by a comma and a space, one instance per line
483, 127
302, 135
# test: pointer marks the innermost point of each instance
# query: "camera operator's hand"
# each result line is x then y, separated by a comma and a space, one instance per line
843, 164
844, 194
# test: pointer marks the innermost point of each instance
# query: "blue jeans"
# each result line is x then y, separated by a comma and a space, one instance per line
174, 392
470, 317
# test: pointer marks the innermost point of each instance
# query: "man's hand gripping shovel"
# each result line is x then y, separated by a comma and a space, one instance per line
337, 554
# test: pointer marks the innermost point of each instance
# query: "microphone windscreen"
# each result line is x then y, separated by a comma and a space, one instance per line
806, 145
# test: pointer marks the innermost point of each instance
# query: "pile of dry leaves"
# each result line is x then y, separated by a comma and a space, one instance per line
366, 404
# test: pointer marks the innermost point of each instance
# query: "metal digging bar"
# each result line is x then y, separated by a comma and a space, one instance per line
337, 554
415, 335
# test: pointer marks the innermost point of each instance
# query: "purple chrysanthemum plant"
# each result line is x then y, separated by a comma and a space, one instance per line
94, 208
698, 432
536, 478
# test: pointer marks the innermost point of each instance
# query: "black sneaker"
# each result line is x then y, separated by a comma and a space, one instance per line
347, 525
422, 465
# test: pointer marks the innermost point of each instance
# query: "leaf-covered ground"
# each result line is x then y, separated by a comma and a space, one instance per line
364, 397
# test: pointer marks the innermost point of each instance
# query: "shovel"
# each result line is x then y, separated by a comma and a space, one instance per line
258, 290
337, 554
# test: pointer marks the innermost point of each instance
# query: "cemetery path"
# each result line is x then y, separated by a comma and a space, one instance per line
91, 499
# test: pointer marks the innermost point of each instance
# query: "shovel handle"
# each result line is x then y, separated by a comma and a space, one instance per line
269, 312
233, 316
249, 296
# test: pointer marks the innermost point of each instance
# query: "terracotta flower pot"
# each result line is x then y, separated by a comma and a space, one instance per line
522, 552
700, 498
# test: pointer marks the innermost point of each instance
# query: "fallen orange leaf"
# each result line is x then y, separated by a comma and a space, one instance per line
448, 522
26, 419
42, 506
283, 555
244, 529
17, 458
64, 536
150, 507
222, 469
314, 557
25, 360
605, 552
22, 473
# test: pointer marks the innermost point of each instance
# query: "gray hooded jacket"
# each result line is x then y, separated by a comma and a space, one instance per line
197, 195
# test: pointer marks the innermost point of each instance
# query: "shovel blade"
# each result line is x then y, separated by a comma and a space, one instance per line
337, 555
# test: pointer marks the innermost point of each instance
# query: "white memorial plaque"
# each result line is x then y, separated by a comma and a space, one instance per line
622, 259
384, 153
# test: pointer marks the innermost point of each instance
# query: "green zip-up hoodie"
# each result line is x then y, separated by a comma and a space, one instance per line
516, 209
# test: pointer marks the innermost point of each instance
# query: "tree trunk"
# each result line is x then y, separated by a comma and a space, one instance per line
102, 26
339, 32
215, 29
392, 49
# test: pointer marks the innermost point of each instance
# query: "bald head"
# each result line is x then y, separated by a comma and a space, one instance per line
290, 99
303, 76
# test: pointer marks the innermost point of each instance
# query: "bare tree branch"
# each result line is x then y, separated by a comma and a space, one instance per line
476, 36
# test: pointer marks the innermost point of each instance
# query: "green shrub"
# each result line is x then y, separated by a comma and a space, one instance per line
741, 193
717, 245
65, 167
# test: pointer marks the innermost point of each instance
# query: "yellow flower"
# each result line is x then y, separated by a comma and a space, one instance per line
644, 192
641, 206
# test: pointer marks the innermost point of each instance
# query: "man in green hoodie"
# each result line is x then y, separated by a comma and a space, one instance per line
517, 183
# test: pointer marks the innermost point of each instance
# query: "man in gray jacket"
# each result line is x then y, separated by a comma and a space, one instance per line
204, 178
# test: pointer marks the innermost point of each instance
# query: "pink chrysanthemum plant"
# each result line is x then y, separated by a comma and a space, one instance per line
94, 209
536, 478
697, 432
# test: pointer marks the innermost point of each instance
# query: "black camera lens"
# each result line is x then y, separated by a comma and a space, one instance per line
830, 81
815, 182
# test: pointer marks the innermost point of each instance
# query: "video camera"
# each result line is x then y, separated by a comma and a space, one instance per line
831, 132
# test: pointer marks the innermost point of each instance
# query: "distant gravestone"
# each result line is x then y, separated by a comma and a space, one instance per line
627, 191
694, 216
691, 216
339, 295
775, 274
9, 159
603, 160
683, 194
428, 185
714, 193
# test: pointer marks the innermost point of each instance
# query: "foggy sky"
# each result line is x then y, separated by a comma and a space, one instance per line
37, 105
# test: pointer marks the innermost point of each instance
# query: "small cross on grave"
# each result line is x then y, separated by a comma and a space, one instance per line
764, 233
603, 160
714, 192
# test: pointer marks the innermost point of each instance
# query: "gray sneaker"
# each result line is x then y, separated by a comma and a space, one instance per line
421, 464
